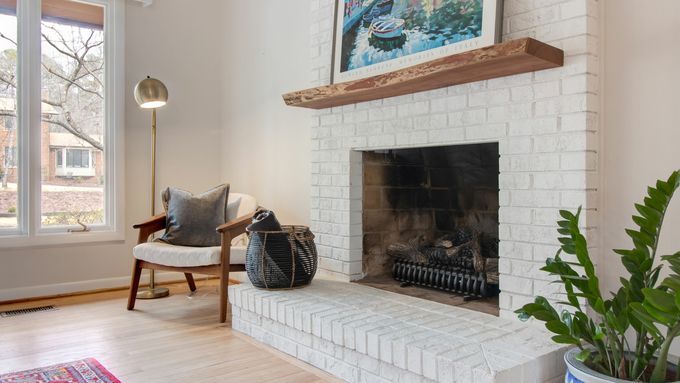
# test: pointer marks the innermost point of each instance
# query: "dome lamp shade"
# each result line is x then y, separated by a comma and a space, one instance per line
151, 93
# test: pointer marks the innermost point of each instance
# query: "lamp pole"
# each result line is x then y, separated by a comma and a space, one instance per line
153, 162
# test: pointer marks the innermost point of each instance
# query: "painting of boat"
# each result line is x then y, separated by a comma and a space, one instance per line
377, 36
386, 27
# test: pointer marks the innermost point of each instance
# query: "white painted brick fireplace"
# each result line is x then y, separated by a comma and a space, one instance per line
545, 123
546, 127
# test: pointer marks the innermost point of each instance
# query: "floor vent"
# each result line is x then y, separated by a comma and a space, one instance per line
13, 313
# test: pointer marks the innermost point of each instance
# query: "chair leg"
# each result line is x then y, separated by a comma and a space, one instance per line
224, 303
190, 281
134, 284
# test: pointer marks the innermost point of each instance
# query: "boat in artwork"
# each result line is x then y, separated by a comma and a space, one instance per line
382, 7
355, 10
387, 27
370, 16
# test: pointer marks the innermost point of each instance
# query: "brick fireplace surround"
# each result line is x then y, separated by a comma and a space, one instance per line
545, 124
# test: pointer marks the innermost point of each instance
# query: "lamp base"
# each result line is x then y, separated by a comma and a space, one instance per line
156, 292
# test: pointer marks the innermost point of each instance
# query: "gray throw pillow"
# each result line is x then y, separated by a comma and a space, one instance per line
191, 220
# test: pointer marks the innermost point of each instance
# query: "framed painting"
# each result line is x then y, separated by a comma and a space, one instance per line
379, 36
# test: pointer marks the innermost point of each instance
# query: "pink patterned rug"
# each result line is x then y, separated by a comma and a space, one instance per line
80, 371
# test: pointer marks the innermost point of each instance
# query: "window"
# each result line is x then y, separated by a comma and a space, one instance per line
62, 139
77, 158
79, 163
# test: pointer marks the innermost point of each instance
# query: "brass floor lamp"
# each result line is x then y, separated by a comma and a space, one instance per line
152, 94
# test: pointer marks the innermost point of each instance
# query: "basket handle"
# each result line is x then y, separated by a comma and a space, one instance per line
293, 253
262, 258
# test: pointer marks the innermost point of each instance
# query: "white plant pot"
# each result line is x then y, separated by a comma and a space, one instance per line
578, 372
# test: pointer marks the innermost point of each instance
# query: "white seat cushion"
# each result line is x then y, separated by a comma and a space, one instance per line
185, 256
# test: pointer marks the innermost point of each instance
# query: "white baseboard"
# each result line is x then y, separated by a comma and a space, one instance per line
81, 286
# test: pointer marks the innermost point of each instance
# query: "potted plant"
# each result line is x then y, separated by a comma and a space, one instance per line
628, 333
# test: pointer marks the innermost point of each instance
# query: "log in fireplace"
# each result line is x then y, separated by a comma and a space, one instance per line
464, 262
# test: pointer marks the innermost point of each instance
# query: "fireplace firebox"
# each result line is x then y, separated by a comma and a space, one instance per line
430, 223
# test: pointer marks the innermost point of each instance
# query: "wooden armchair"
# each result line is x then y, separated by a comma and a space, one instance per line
217, 261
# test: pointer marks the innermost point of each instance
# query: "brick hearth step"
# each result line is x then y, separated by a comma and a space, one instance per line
362, 334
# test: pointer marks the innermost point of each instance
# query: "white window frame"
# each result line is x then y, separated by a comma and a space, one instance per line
29, 232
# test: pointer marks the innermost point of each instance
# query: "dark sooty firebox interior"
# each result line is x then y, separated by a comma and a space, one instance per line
430, 223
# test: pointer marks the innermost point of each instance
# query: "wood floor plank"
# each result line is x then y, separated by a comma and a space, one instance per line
174, 339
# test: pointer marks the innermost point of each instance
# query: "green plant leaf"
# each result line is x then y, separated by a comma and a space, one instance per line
543, 315
599, 306
659, 316
599, 334
655, 203
557, 327
661, 300
642, 238
583, 355
644, 319
656, 195
566, 318
673, 283
565, 339
652, 214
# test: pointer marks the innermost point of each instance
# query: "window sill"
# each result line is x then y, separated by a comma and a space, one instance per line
59, 239
75, 172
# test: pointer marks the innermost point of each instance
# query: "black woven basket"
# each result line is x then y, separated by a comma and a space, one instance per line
281, 259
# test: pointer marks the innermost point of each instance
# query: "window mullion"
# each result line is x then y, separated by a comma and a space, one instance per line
28, 103
32, 21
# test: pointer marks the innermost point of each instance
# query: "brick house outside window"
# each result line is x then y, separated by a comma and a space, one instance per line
71, 160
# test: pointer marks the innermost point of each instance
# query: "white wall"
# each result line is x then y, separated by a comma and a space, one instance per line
266, 145
641, 126
179, 43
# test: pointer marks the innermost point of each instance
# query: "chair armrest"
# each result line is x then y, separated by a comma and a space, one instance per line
156, 220
229, 231
236, 226
149, 227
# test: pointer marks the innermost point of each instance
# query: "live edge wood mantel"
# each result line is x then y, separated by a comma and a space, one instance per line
504, 59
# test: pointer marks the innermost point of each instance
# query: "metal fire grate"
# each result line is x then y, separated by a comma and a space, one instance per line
443, 277
31, 310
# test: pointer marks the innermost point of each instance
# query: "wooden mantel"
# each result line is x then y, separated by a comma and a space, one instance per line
504, 59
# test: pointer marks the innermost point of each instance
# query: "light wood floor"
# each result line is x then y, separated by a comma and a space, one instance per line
174, 339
